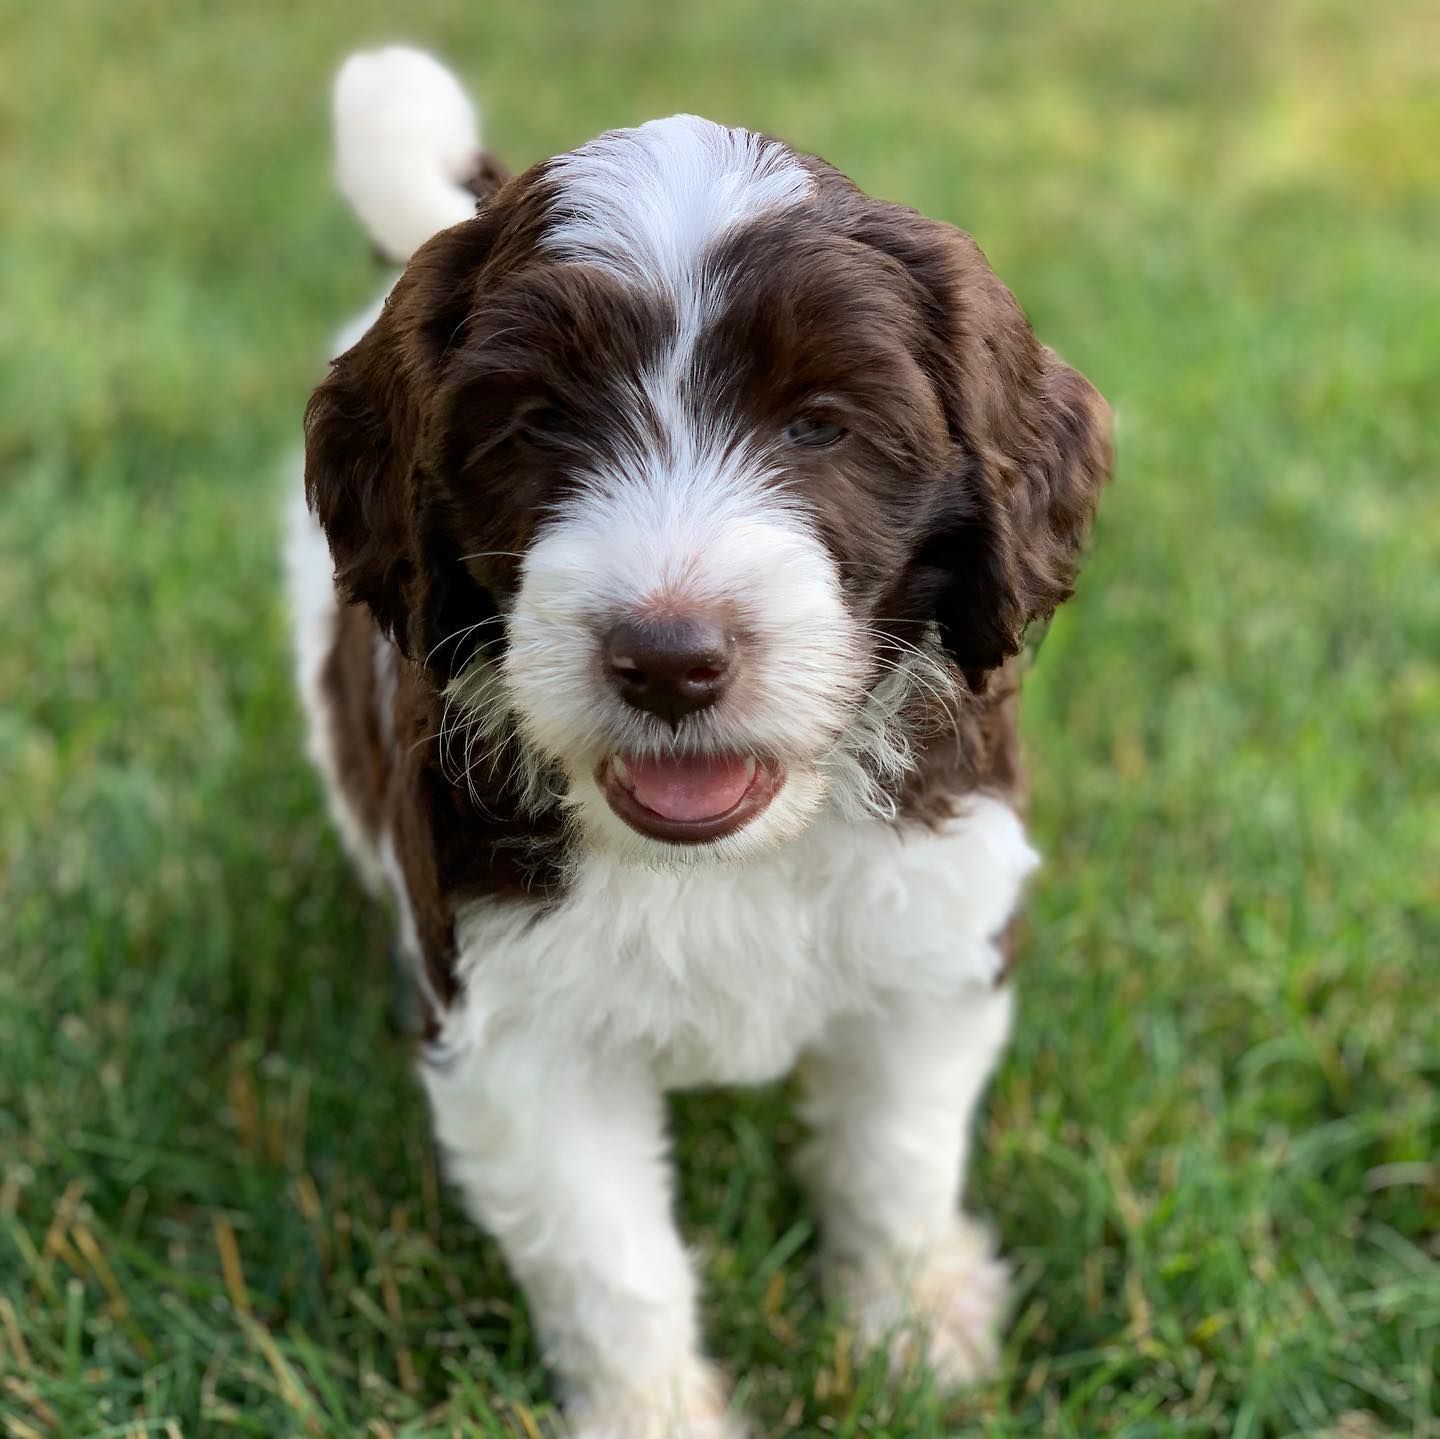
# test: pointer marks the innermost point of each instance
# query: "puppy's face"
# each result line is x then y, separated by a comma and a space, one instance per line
685, 467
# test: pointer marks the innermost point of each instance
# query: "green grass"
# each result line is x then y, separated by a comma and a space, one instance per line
1214, 1151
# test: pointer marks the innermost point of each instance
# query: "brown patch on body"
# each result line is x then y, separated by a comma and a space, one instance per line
489, 174
456, 838
965, 742
349, 681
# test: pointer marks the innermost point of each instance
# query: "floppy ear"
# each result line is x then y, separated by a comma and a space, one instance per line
360, 434
1030, 450
365, 457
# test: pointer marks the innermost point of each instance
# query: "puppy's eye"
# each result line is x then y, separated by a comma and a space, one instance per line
545, 424
812, 434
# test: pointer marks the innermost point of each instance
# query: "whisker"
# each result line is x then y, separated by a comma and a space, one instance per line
461, 633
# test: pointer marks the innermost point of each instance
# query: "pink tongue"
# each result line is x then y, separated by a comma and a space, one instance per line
689, 788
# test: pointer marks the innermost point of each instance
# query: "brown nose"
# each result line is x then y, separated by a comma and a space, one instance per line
669, 667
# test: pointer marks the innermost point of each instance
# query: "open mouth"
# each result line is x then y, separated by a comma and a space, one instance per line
688, 799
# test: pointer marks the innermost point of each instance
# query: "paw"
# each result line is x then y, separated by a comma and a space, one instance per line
693, 1406
943, 1308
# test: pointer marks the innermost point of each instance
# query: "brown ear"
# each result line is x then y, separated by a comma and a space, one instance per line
1031, 452
360, 432
365, 462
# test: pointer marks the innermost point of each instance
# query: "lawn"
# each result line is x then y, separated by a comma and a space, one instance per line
1214, 1151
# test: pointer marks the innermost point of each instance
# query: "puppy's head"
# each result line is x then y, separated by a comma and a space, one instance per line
684, 466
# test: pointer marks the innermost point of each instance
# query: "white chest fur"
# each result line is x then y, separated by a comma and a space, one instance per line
724, 975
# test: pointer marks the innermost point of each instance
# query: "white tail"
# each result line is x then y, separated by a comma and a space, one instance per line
406, 138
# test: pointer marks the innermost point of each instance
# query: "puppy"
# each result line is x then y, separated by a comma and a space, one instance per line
672, 532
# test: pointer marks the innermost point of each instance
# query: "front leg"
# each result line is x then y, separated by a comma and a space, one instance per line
890, 1100
561, 1156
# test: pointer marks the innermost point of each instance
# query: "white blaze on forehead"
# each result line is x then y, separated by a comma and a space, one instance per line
648, 203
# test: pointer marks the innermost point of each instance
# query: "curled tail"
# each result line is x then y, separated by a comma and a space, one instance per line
407, 147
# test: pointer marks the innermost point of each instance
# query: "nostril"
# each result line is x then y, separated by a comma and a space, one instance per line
703, 675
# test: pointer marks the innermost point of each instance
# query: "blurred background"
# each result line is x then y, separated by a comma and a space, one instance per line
1212, 1152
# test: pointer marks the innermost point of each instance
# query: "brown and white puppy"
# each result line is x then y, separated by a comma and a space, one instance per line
685, 509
